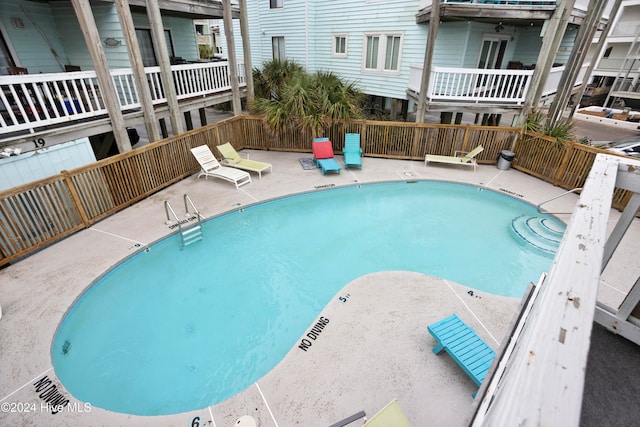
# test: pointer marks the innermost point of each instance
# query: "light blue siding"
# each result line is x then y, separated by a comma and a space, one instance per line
32, 166
566, 45
467, 40
308, 27
528, 45
183, 34
33, 49
60, 33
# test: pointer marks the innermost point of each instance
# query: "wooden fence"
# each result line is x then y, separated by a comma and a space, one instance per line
35, 215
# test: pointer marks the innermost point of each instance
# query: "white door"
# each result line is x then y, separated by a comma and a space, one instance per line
492, 52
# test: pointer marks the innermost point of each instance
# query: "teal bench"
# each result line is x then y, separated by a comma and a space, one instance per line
463, 345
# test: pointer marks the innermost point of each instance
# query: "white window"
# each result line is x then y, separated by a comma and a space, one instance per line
382, 52
275, 4
277, 45
340, 45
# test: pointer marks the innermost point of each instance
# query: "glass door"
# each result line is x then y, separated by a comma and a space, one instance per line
492, 52
491, 56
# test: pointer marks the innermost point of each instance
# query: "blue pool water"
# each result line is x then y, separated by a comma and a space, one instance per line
172, 330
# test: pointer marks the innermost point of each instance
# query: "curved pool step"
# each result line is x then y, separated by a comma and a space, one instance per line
541, 233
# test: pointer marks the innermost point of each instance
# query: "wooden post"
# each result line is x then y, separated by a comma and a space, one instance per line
601, 42
231, 50
163, 128
554, 30
203, 116
187, 120
87, 23
139, 76
574, 63
434, 23
162, 56
76, 198
246, 51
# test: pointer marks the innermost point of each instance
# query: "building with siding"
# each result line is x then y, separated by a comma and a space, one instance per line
382, 47
71, 70
616, 73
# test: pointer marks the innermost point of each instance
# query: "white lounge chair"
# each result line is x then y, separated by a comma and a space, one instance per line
211, 167
468, 159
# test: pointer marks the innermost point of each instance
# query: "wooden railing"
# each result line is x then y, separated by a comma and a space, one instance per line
32, 101
40, 213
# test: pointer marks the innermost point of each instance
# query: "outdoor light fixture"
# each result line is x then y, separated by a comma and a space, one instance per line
499, 27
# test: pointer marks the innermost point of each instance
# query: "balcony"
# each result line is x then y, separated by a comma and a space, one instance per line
625, 29
36, 103
626, 88
505, 10
466, 87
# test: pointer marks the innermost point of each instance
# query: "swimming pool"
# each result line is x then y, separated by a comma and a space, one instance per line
172, 330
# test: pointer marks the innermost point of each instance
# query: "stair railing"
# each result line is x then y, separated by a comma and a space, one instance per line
539, 206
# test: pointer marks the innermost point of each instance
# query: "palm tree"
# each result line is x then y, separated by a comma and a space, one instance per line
289, 97
268, 81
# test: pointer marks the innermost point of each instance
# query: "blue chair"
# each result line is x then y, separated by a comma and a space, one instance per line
463, 345
352, 151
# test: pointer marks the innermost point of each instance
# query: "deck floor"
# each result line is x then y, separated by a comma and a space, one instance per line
375, 348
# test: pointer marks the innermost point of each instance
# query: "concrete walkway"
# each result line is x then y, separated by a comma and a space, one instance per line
373, 348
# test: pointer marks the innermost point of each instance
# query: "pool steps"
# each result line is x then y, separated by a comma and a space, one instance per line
540, 233
190, 234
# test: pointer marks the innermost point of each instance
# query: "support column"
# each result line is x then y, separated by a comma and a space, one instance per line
188, 120
163, 128
87, 23
581, 44
434, 23
246, 50
554, 30
601, 42
162, 56
231, 50
139, 76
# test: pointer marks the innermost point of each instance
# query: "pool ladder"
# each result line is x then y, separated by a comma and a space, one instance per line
189, 234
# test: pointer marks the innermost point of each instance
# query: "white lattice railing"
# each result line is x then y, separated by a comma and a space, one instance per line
483, 86
516, 3
554, 77
32, 101
473, 85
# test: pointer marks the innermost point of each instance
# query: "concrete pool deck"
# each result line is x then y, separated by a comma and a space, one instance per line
374, 348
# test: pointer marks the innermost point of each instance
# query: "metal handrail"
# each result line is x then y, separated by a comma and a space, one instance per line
188, 200
539, 205
167, 208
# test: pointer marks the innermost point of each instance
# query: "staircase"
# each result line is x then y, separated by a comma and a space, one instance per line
540, 233
191, 233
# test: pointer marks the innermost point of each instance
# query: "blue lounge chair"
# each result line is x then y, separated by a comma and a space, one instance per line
323, 156
352, 151
463, 345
